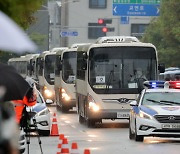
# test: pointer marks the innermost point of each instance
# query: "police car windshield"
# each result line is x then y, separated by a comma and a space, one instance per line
39, 99
161, 98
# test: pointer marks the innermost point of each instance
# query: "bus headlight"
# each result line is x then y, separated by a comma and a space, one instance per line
92, 105
48, 93
65, 96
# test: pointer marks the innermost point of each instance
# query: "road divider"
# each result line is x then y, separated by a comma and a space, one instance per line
65, 147
61, 137
54, 127
74, 148
86, 151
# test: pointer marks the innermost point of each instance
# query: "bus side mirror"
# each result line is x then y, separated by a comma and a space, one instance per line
60, 65
85, 56
41, 63
161, 68
84, 64
84, 61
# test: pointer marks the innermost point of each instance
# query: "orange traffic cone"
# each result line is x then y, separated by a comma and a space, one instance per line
74, 148
61, 137
54, 128
64, 147
86, 151
54, 115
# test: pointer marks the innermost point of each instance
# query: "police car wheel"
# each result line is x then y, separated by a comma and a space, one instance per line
131, 135
138, 138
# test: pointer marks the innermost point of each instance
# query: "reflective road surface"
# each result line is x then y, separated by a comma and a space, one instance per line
111, 137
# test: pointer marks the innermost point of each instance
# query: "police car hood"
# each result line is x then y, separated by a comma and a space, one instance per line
38, 107
160, 110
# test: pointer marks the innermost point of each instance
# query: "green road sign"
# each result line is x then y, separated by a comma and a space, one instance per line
137, 1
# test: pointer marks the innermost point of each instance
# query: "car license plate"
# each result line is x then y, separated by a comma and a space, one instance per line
171, 126
122, 115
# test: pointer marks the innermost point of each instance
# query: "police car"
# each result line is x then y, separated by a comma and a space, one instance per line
40, 117
156, 112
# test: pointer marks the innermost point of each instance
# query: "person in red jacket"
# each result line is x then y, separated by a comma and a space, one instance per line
28, 100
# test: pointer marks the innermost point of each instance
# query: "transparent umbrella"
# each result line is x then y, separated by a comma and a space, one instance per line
12, 37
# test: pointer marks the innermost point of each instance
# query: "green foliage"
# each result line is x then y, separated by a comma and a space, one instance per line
164, 33
38, 38
21, 10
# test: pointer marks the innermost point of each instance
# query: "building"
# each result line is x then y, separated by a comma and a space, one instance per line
79, 20
39, 31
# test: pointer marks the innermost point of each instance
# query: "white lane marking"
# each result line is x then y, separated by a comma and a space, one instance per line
73, 126
68, 122
91, 135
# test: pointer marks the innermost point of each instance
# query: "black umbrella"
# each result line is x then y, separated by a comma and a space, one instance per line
15, 85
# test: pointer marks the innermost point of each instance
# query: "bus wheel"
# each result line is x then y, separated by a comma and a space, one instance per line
64, 109
90, 123
81, 119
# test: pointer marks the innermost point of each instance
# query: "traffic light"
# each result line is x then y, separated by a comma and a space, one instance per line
104, 29
103, 22
100, 21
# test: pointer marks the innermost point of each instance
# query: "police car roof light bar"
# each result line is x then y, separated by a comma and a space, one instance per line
154, 84
174, 84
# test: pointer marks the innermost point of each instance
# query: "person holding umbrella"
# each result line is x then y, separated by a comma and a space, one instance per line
12, 85
29, 99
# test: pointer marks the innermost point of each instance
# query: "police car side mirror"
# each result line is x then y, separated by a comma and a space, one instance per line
133, 103
161, 68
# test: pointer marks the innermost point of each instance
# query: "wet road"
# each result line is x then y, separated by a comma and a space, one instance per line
109, 137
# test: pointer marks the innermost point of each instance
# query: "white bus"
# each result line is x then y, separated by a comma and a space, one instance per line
24, 64
110, 73
65, 78
46, 74
58, 67
170, 75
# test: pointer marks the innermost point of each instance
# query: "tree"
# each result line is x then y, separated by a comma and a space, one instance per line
21, 11
164, 33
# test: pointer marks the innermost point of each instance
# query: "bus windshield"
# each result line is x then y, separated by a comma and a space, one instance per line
49, 68
69, 67
121, 69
